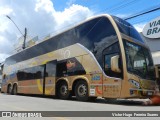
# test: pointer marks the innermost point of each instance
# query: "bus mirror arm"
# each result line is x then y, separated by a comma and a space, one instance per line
114, 64
157, 72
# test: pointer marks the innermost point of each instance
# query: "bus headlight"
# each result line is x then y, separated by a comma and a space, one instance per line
135, 83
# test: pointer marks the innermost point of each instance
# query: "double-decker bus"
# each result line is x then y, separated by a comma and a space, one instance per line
103, 56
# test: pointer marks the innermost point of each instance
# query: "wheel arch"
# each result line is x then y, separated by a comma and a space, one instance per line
9, 84
60, 80
13, 88
75, 81
15, 83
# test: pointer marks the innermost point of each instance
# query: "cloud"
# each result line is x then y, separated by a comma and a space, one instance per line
3, 56
122, 15
70, 2
73, 14
139, 27
45, 5
5, 10
38, 16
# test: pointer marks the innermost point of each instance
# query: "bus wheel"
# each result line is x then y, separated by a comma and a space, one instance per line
92, 99
81, 91
111, 100
14, 92
63, 92
9, 89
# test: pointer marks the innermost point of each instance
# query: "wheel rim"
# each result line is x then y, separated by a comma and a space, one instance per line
82, 90
63, 90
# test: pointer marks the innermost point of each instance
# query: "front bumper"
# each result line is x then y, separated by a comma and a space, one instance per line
142, 92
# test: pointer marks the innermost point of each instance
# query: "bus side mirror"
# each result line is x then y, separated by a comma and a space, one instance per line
114, 64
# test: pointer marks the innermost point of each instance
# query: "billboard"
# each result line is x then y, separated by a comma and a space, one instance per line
152, 29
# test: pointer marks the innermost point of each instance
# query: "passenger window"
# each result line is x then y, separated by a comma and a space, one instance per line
36, 72
61, 68
69, 67
74, 67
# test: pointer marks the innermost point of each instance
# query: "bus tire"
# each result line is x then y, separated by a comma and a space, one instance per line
92, 99
9, 89
62, 91
111, 100
14, 91
81, 91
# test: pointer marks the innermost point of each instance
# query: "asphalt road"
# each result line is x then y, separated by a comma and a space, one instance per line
39, 103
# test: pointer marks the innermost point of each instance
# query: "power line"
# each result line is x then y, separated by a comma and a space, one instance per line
144, 19
135, 22
114, 8
74, 13
142, 13
124, 5
119, 6
111, 7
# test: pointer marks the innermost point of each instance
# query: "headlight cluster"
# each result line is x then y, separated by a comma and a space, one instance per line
135, 83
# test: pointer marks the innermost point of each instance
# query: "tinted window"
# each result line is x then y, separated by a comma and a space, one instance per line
31, 73
96, 35
61, 68
74, 67
51, 69
96, 31
69, 67
128, 29
108, 54
139, 60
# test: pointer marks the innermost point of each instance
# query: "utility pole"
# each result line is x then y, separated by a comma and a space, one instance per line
24, 35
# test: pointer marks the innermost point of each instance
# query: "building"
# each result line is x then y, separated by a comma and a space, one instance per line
151, 35
1, 67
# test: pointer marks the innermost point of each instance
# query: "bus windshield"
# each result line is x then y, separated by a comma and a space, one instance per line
127, 29
139, 60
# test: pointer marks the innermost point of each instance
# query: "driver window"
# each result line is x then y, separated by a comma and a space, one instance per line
108, 53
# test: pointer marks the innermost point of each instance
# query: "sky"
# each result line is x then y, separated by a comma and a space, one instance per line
44, 17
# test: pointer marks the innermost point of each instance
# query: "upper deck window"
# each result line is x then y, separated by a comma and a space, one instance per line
127, 29
96, 35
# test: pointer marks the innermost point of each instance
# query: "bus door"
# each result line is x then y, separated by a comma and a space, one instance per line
111, 80
49, 78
